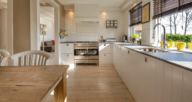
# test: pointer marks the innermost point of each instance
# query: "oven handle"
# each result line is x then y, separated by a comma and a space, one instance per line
86, 48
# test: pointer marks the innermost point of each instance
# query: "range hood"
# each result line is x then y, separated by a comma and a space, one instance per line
86, 13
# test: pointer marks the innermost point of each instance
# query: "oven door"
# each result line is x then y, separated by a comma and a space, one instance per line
86, 52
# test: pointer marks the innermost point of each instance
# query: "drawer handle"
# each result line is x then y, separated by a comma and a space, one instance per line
146, 59
67, 44
67, 55
128, 52
104, 54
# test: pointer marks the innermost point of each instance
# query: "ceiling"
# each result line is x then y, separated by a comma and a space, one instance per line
110, 3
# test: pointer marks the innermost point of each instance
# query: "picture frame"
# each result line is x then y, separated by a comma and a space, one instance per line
146, 13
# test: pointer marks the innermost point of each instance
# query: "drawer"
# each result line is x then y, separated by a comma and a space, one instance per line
67, 58
86, 57
67, 48
86, 61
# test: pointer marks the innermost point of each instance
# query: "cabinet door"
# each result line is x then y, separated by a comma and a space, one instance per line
105, 59
187, 86
167, 82
105, 48
157, 81
67, 48
177, 84
67, 59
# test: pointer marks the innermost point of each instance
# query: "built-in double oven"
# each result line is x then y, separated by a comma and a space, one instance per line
86, 53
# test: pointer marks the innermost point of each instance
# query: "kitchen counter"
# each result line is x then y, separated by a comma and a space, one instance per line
180, 59
68, 42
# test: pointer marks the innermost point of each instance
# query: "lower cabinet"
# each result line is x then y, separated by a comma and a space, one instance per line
150, 79
187, 86
105, 59
67, 59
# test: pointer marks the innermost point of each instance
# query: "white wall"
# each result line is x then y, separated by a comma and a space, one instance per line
93, 31
147, 28
47, 18
3, 29
50, 29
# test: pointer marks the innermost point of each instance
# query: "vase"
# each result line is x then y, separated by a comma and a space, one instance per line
134, 41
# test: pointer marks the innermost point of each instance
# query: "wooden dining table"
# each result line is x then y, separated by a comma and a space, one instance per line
33, 83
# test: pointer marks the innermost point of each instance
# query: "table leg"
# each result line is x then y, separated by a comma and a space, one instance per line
60, 92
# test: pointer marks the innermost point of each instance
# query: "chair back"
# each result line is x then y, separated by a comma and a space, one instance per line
3, 57
31, 58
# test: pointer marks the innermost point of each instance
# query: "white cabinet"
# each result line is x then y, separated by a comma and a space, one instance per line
67, 53
150, 79
187, 86
177, 84
156, 80
167, 82
67, 59
67, 47
105, 54
105, 59
105, 48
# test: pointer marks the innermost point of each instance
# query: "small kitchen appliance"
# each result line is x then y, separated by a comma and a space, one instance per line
124, 38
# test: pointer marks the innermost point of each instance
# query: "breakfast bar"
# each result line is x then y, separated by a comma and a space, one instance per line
33, 83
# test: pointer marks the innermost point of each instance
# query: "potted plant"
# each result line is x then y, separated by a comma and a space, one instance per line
139, 41
134, 37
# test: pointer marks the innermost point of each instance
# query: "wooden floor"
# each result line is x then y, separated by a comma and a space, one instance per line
96, 84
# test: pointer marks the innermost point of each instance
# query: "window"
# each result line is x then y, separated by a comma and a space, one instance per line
165, 7
136, 15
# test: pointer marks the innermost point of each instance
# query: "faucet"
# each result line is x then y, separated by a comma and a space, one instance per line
164, 36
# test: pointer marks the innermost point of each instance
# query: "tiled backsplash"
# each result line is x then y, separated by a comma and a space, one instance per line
89, 31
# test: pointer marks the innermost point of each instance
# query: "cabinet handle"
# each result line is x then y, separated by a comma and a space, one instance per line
67, 44
104, 54
67, 55
128, 52
146, 60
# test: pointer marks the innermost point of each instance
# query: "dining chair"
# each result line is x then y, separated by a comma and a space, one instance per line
4, 55
31, 58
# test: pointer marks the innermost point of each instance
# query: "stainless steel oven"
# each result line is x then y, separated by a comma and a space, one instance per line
86, 53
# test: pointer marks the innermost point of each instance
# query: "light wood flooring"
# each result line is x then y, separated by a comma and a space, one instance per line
96, 84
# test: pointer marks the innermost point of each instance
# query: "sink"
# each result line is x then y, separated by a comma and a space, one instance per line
151, 50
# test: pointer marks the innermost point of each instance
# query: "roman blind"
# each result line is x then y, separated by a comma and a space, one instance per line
166, 7
136, 14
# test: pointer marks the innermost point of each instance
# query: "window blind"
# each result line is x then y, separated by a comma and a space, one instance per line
166, 7
136, 14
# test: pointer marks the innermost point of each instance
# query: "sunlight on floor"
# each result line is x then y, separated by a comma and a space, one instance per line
52, 93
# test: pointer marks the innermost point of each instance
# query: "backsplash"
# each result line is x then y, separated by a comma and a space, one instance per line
87, 36
89, 31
